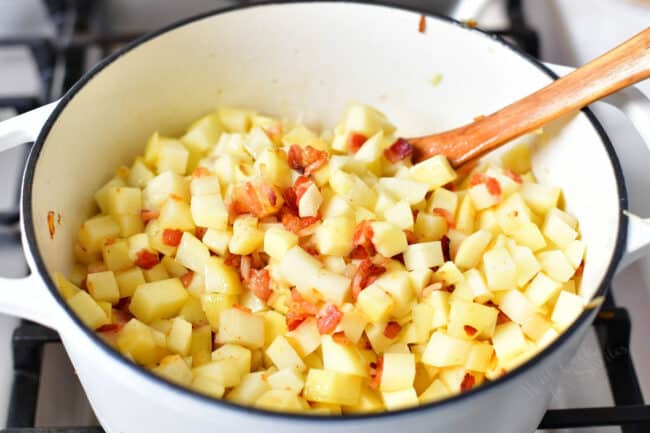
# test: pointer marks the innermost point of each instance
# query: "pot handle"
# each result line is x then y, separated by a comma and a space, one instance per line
25, 127
26, 297
635, 105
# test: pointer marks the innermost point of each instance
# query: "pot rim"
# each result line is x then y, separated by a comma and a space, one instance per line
30, 236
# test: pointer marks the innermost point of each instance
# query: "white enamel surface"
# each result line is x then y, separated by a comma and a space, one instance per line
309, 60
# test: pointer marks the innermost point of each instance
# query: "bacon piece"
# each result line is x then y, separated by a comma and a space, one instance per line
300, 186
148, 215
110, 328
233, 260
199, 232
341, 338
200, 172
328, 319
376, 373
146, 259
260, 284
444, 243
422, 26
299, 310
50, 223
411, 238
258, 261
502, 318
242, 308
514, 176
245, 268
172, 237
477, 178
493, 186
399, 150
362, 236
580, 269
470, 330
359, 252
446, 215
355, 141
294, 157
468, 382
294, 223
257, 198
306, 160
366, 274
187, 278
392, 329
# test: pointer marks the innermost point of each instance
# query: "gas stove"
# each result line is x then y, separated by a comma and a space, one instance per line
45, 46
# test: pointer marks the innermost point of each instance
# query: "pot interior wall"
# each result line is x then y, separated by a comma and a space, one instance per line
308, 61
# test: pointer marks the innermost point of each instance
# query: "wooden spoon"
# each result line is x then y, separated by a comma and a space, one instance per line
624, 65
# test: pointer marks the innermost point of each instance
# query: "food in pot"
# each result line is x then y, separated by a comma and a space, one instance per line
257, 261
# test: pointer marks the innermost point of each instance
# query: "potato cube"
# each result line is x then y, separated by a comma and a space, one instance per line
305, 338
332, 387
466, 217
234, 352
508, 341
567, 308
87, 309
353, 324
176, 214
420, 279
217, 241
101, 196
156, 273
283, 355
541, 289
277, 241
422, 318
449, 273
375, 303
274, 324
310, 202
342, 358
164, 186
400, 215
372, 149
430, 227
575, 252
335, 264
251, 387
235, 119
240, 327
445, 351
179, 339
246, 237
500, 269
423, 255
207, 386
201, 345
137, 341
556, 265
353, 189
436, 391
479, 357
334, 236
540, 198
482, 198
527, 264
174, 369
209, 211
124, 200
397, 284
66, 288
453, 377
481, 318
471, 249
116, 255
103, 286
398, 372
443, 199
96, 230
400, 399
172, 156
517, 158
558, 230
434, 172
192, 254
388, 239
288, 380
536, 326
225, 372
379, 342
174, 268
439, 301
205, 185
204, 133
272, 166
365, 120
221, 278
129, 224
193, 312
158, 300
517, 307
408, 190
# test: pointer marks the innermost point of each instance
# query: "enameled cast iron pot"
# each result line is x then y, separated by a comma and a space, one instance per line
295, 59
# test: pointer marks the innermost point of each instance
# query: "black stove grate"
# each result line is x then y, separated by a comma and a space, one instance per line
63, 60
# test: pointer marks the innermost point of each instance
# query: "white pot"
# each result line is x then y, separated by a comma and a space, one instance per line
299, 59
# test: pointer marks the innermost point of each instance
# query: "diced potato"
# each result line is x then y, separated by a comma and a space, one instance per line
101, 196
334, 236
449, 273
204, 133
284, 355
205, 185
353, 324
575, 252
207, 386
273, 167
305, 338
209, 211
251, 387
332, 387
429, 227
124, 201
400, 215
439, 301
137, 340
527, 264
398, 372
342, 358
240, 327
288, 380
372, 149
353, 189
164, 186
86, 308
388, 239
420, 279
556, 265
193, 312
400, 399
444, 350
541, 289
179, 339
217, 240
423, 255
508, 341
558, 231
517, 159
375, 303
436, 391
201, 345
310, 202
66, 288
173, 268
192, 254
240, 355
479, 357
465, 219
517, 307
274, 325
365, 120
116, 255
221, 278
471, 249
103, 286
500, 270
540, 198
176, 214
235, 119
408, 190
443, 199
96, 231
158, 300
567, 308
156, 273
482, 198
422, 318
536, 326
225, 372
174, 369
434, 171
481, 318
246, 236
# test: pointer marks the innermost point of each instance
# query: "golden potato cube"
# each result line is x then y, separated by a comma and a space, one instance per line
66, 288
420, 279
239, 354
299, 268
116, 255
129, 280
332, 387
430, 227
240, 327
541, 289
400, 215
481, 318
246, 237
365, 120
221, 278
192, 253
558, 230
179, 339
342, 358
449, 273
379, 342
443, 199
217, 240
482, 198
500, 270
176, 214
422, 318
535, 326
207, 386
517, 307
439, 301
277, 241
436, 391
201, 345
353, 324
434, 171
156, 273
334, 236
193, 312
209, 211
173, 268
305, 338
517, 158
369, 402
174, 369
472, 287
273, 167
444, 350
87, 309
158, 300
471, 249
287, 379
375, 303
96, 230
540, 198
103, 286
575, 252
281, 400
372, 149
251, 387
172, 156
479, 357
353, 189
567, 308
398, 372
275, 324
527, 264
283, 355
204, 133
400, 399
409, 190
424, 255
225, 372
124, 200
205, 185
310, 202
388, 239
556, 265
137, 341
101, 196
164, 186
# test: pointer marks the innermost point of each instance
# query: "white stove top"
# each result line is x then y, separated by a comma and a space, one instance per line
571, 33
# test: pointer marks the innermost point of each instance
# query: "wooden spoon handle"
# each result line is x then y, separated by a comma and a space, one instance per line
624, 65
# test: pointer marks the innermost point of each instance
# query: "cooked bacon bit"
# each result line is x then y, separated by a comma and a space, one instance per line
172, 237
148, 215
187, 278
295, 158
306, 160
146, 259
341, 338
362, 236
477, 178
493, 186
258, 260
450, 288
355, 141
376, 374
328, 319
257, 198
50, 223
359, 252
366, 274
399, 150
446, 215
233, 260
290, 200
300, 186
422, 27
444, 242
299, 310
467, 383
502, 318
242, 308
260, 284
470, 330
200, 172
109, 241
245, 268
411, 238
308, 245
294, 223
199, 232
580, 269
110, 328
392, 329
364, 342
97, 267
83, 285
514, 176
